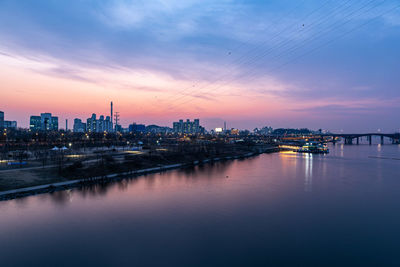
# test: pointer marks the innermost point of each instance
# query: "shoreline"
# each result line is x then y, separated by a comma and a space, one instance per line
59, 186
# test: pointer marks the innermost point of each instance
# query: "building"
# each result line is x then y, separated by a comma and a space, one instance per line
100, 125
1, 119
178, 126
48, 122
10, 124
79, 126
104, 125
137, 128
44, 122
6, 124
264, 131
158, 129
219, 130
189, 127
35, 123
91, 124
234, 131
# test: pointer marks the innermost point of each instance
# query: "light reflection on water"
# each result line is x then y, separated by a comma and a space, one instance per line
308, 160
338, 209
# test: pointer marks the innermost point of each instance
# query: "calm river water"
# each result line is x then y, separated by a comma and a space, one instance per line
281, 209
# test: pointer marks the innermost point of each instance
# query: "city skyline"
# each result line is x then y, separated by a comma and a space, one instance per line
80, 125
269, 67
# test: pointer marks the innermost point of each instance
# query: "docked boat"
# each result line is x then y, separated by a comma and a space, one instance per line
314, 147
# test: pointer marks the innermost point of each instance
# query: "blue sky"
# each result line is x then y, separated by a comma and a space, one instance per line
319, 64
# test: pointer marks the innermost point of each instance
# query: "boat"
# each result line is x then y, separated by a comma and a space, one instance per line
314, 147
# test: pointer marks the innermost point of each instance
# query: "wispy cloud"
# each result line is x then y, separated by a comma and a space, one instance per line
335, 108
129, 13
220, 50
65, 73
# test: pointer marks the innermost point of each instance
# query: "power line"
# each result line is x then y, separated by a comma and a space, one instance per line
326, 43
245, 56
244, 44
116, 120
282, 44
252, 60
271, 69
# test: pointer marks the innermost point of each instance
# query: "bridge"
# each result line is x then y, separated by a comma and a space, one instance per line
348, 138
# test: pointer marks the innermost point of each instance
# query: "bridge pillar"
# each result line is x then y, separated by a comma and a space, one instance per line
369, 137
381, 139
358, 140
348, 141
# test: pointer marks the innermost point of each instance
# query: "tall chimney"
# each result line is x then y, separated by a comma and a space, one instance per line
111, 112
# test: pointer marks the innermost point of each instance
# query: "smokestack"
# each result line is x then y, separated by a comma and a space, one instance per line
111, 112
66, 125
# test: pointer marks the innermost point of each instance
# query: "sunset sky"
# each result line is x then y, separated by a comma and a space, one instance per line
309, 63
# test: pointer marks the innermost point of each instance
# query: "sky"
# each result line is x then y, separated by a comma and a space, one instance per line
329, 64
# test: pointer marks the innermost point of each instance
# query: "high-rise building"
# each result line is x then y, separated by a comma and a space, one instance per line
35, 123
1, 119
44, 122
108, 126
103, 125
79, 126
100, 125
54, 124
196, 126
48, 122
10, 124
178, 126
91, 124
190, 127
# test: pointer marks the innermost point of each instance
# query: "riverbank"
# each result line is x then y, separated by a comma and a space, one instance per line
65, 185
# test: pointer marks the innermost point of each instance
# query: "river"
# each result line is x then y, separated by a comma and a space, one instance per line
280, 209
